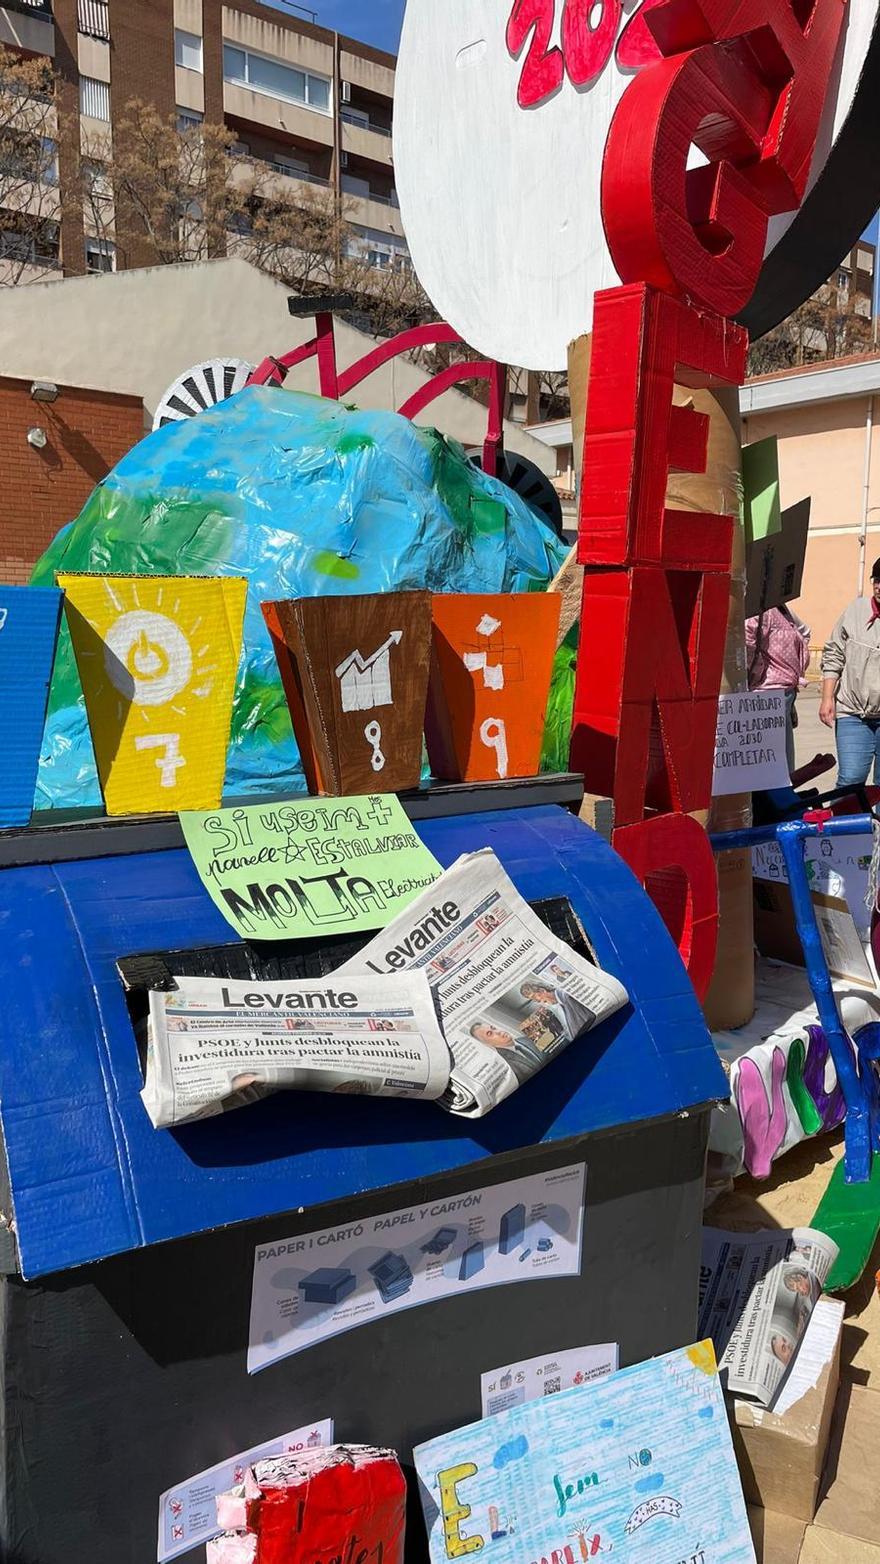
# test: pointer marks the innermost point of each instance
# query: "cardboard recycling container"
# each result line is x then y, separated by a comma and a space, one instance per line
125, 1303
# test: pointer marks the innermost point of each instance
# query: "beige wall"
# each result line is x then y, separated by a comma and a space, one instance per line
136, 331
188, 15
280, 43
822, 454
368, 74
291, 118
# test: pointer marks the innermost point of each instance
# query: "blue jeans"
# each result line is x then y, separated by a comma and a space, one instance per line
858, 745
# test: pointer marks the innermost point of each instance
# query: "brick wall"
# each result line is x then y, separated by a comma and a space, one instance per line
67, 100
142, 67
88, 433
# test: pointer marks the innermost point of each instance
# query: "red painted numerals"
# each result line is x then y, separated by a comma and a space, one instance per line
589, 28
544, 67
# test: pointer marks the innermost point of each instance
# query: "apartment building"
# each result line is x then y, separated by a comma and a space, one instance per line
313, 105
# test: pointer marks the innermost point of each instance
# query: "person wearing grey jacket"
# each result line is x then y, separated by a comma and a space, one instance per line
851, 687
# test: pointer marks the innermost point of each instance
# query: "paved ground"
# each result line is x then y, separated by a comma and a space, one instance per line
812, 737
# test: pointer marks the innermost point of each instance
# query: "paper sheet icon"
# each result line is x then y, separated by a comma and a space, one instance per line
157, 658
28, 631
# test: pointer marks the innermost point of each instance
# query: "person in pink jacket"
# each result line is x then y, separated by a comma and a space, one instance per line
778, 656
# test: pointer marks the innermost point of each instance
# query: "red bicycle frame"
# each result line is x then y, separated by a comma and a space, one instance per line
335, 383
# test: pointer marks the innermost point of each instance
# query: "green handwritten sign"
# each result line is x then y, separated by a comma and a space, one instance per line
311, 867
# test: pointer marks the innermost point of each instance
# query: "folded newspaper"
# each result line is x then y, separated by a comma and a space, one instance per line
757, 1293
511, 995
214, 1044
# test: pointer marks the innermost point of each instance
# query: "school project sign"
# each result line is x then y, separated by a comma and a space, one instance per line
750, 743
640, 1464
311, 866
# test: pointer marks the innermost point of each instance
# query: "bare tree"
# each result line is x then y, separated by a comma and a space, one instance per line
161, 193
29, 198
298, 235
164, 194
825, 327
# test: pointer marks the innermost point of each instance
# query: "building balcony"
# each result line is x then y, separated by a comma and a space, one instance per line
283, 181
278, 115
373, 143
42, 8
28, 27
368, 74
37, 199
373, 211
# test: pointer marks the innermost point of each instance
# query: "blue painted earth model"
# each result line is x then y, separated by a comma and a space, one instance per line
303, 497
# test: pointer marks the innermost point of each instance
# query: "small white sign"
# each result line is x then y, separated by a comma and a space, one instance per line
187, 1512
750, 743
508, 1387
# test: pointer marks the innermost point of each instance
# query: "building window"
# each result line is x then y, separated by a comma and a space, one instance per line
93, 18
274, 78
291, 165
100, 256
31, 242
29, 159
187, 50
94, 98
188, 119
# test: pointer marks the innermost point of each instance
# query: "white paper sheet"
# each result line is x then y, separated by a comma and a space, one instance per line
815, 1352
750, 743
187, 1515
508, 1387
317, 1285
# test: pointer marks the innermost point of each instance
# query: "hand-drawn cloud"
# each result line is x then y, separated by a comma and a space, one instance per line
650, 1484
513, 1450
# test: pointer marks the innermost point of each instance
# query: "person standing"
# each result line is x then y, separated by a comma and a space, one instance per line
851, 687
778, 656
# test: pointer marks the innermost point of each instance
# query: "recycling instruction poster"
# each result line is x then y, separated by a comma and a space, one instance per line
318, 1285
313, 866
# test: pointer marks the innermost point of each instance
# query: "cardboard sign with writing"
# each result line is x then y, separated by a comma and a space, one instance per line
491, 664
157, 659
29, 619
639, 1465
310, 867
750, 743
775, 564
355, 673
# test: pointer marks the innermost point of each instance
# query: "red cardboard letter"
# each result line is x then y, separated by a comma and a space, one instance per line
646, 699
749, 95
643, 343
672, 857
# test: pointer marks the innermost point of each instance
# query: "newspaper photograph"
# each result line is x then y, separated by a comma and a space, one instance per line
757, 1294
214, 1044
511, 995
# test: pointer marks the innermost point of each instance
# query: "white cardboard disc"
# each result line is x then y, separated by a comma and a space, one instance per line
500, 204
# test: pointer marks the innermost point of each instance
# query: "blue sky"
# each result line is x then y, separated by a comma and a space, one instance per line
372, 21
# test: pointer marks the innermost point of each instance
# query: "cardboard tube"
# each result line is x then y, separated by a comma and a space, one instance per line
579, 354
731, 998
